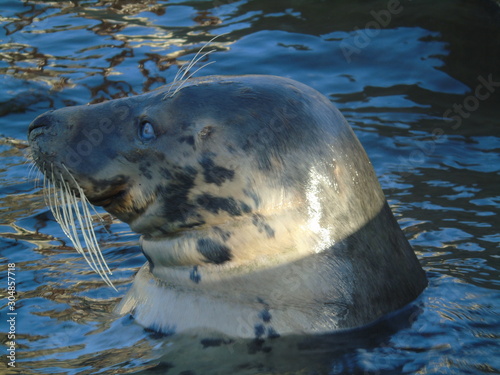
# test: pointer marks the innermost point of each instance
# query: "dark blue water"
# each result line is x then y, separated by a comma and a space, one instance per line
419, 81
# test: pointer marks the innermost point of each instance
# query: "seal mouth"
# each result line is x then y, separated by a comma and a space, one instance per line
107, 200
121, 203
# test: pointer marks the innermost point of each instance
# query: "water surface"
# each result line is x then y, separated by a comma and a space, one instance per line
418, 82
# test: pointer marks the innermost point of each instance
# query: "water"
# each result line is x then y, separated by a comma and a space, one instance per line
420, 88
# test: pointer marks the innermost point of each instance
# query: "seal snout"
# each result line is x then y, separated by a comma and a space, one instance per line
42, 121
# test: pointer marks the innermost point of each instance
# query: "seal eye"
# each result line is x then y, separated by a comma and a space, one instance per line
146, 131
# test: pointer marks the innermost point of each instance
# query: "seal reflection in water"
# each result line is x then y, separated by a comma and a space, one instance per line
259, 211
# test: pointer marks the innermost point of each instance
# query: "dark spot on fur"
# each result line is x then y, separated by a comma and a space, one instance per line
225, 235
214, 174
189, 139
259, 330
187, 372
166, 173
253, 195
190, 170
140, 155
216, 204
245, 207
260, 222
145, 169
158, 335
213, 251
175, 195
194, 275
207, 343
265, 315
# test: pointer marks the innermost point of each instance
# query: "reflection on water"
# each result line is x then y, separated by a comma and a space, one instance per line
421, 91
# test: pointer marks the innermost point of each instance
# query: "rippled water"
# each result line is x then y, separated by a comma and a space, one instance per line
421, 89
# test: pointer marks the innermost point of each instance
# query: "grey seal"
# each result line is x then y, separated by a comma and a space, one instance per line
259, 211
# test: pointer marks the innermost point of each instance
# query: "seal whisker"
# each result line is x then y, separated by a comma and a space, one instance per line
70, 202
32, 166
74, 221
69, 222
33, 171
98, 264
195, 59
185, 70
99, 217
51, 199
191, 75
34, 174
89, 236
94, 262
192, 63
181, 73
93, 244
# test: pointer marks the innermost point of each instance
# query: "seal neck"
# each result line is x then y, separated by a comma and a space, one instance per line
233, 248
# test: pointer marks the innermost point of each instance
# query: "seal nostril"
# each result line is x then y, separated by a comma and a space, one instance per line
44, 120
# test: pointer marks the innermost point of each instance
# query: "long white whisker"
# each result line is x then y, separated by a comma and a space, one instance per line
69, 222
70, 202
92, 243
184, 70
101, 219
75, 221
86, 228
182, 81
192, 74
52, 198
34, 173
194, 61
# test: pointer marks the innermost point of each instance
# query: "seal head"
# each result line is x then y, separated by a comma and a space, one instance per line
260, 212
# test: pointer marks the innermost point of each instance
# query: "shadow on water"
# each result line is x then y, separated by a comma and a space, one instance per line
421, 90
